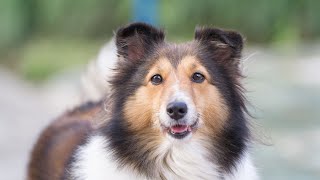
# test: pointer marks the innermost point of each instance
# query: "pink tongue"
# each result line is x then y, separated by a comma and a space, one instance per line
179, 128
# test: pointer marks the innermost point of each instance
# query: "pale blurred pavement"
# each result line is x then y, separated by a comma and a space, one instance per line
24, 111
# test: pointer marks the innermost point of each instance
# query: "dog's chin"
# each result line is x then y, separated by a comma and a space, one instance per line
180, 130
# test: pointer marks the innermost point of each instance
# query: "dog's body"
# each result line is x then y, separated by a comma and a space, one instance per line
174, 112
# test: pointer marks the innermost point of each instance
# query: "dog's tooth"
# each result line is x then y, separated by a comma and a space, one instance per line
189, 128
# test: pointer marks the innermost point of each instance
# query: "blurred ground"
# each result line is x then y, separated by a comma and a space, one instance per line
25, 111
284, 88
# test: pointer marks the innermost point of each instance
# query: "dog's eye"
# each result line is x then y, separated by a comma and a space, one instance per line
197, 77
156, 79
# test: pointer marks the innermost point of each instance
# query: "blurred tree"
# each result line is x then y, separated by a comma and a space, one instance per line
11, 23
262, 21
81, 26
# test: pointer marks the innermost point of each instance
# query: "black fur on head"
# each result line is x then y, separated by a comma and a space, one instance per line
226, 44
136, 40
218, 50
135, 43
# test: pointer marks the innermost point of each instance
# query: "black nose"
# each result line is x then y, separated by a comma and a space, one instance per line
176, 110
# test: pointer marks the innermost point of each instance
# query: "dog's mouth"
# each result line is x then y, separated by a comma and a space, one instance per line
179, 131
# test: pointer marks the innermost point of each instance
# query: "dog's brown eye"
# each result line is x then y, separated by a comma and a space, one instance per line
197, 77
156, 79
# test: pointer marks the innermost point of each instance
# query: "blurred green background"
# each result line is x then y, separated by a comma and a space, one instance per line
46, 44
40, 37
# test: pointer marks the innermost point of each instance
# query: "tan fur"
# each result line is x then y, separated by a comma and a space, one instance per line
57, 142
141, 110
206, 96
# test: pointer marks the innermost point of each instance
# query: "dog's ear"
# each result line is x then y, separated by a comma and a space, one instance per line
225, 44
136, 40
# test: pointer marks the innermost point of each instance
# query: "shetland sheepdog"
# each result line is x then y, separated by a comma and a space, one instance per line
174, 111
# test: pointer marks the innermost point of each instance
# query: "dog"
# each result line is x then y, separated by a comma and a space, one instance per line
174, 111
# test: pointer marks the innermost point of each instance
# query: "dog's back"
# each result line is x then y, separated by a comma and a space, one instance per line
53, 150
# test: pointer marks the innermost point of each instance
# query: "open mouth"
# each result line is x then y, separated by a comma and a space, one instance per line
180, 131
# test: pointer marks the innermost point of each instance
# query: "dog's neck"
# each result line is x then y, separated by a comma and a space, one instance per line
98, 159
160, 157
185, 160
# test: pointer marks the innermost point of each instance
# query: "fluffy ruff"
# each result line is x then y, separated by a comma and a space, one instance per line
174, 111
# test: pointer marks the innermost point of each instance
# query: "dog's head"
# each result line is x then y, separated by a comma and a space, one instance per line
177, 91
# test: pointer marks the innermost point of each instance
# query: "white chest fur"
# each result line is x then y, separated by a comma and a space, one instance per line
95, 162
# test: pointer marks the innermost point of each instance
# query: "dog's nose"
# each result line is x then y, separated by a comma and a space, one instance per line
176, 110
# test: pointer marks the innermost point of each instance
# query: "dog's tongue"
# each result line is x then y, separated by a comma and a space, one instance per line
179, 128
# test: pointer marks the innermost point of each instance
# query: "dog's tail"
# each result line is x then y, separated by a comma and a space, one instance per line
95, 85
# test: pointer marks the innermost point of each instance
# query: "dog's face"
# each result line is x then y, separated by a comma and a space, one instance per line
177, 99
176, 91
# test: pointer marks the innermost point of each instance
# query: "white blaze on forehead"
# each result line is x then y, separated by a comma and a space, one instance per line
176, 86
181, 96
178, 95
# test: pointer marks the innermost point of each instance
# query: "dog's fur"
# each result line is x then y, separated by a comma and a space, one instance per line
136, 139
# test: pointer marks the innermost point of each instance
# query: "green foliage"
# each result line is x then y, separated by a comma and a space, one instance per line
91, 18
22, 19
44, 34
41, 58
262, 21
11, 22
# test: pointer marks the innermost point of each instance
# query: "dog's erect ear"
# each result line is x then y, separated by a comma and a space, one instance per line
136, 40
226, 44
